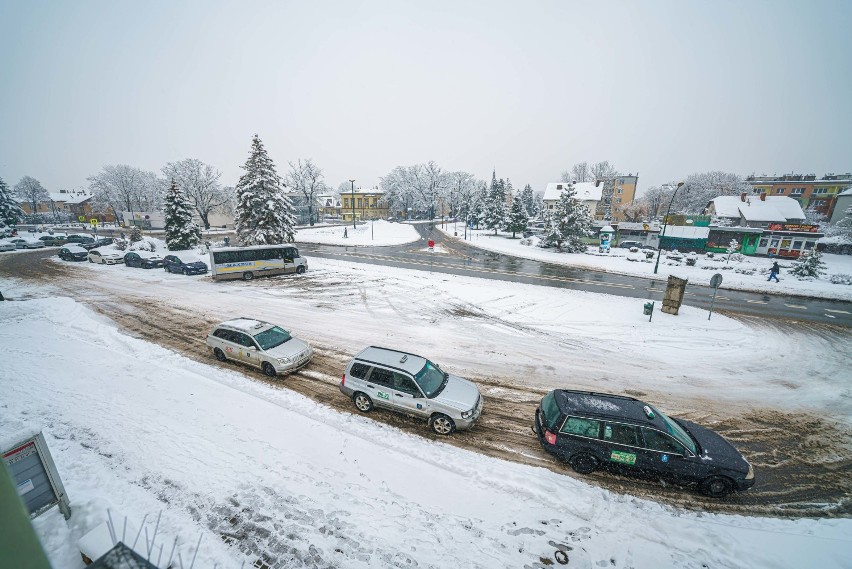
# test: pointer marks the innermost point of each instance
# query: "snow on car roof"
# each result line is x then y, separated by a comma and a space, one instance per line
246, 324
146, 254
587, 402
74, 248
393, 358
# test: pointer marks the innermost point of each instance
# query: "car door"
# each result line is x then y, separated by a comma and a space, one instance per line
665, 456
249, 351
288, 256
623, 445
380, 387
407, 397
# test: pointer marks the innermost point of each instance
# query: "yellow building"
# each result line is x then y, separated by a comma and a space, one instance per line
364, 203
617, 193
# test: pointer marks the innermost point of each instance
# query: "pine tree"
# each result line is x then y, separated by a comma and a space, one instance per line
733, 246
809, 265
182, 232
135, 234
518, 218
528, 199
264, 214
567, 224
10, 209
494, 208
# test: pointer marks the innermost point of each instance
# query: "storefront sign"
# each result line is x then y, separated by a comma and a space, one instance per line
797, 227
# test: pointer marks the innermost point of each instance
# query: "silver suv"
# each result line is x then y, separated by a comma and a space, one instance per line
259, 344
413, 385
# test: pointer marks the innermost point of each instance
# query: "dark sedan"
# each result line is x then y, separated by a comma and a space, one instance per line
174, 264
73, 253
595, 430
102, 242
142, 260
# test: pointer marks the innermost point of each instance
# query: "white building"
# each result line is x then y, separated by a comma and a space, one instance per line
753, 211
587, 192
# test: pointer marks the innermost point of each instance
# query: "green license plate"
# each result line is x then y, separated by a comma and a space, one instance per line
622, 457
383, 395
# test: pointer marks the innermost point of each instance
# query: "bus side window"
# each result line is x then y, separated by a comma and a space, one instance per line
287, 254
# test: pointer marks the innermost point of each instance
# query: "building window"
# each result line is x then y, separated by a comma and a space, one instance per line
620, 191
617, 200
779, 190
797, 191
820, 190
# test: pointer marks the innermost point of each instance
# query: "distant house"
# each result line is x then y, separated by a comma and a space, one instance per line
587, 192
66, 205
363, 203
756, 211
328, 206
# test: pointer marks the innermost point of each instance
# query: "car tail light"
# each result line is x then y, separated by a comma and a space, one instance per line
343, 380
549, 437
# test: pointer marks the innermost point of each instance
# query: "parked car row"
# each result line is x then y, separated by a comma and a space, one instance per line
589, 431
141, 259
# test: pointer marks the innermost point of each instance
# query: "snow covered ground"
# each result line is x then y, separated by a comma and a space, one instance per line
139, 430
372, 233
751, 273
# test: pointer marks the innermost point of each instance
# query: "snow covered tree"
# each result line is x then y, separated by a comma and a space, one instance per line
809, 265
518, 218
125, 188
528, 199
306, 178
182, 232
10, 209
199, 182
494, 207
31, 190
264, 214
733, 247
699, 189
135, 234
567, 224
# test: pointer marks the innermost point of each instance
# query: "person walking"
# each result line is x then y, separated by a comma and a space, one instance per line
773, 272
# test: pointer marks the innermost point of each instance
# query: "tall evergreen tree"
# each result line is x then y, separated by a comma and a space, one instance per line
182, 232
264, 214
528, 199
494, 208
567, 223
10, 209
518, 218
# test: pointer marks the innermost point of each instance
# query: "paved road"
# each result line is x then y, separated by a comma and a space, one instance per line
463, 259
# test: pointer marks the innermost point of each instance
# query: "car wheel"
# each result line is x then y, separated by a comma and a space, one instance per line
183, 271
300, 269
220, 355
248, 275
268, 370
103, 261
363, 402
90, 260
443, 425
717, 486
584, 463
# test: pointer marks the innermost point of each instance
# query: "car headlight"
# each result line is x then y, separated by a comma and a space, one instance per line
467, 414
750, 474
283, 360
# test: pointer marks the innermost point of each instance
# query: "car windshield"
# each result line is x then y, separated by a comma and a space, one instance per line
431, 379
677, 432
275, 336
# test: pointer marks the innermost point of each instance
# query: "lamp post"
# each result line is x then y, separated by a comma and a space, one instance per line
663, 232
353, 202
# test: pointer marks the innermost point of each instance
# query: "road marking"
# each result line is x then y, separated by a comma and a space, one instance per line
722, 298
757, 301
830, 316
795, 306
838, 311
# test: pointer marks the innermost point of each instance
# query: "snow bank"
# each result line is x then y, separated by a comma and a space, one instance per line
139, 430
372, 233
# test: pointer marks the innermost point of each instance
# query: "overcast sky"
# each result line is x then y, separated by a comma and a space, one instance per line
529, 88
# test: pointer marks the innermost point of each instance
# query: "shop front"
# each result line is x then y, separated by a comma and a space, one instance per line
788, 239
747, 239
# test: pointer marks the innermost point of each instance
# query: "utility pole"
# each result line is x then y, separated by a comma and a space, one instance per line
353, 203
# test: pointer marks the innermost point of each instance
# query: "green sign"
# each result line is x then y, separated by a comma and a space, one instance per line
622, 457
382, 395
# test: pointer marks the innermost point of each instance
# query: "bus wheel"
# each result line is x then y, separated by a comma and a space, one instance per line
248, 275
300, 269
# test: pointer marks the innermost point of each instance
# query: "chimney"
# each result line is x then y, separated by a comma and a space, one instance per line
763, 197
743, 197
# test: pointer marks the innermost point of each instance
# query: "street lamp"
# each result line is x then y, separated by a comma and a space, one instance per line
353, 203
663, 232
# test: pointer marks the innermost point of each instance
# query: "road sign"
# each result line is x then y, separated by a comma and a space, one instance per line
93, 221
81, 218
431, 245
715, 281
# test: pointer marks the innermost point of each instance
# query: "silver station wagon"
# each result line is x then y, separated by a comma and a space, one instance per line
413, 385
259, 344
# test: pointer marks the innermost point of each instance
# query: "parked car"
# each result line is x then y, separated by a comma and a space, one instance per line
260, 344
79, 239
7, 246
27, 243
596, 430
143, 260
73, 253
105, 257
412, 385
630, 244
95, 243
174, 264
52, 240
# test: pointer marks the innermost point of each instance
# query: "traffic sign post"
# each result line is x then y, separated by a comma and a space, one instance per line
714, 282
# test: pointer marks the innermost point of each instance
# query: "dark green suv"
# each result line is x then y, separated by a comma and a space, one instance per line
596, 430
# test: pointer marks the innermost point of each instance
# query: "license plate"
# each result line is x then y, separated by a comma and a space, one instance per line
623, 457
